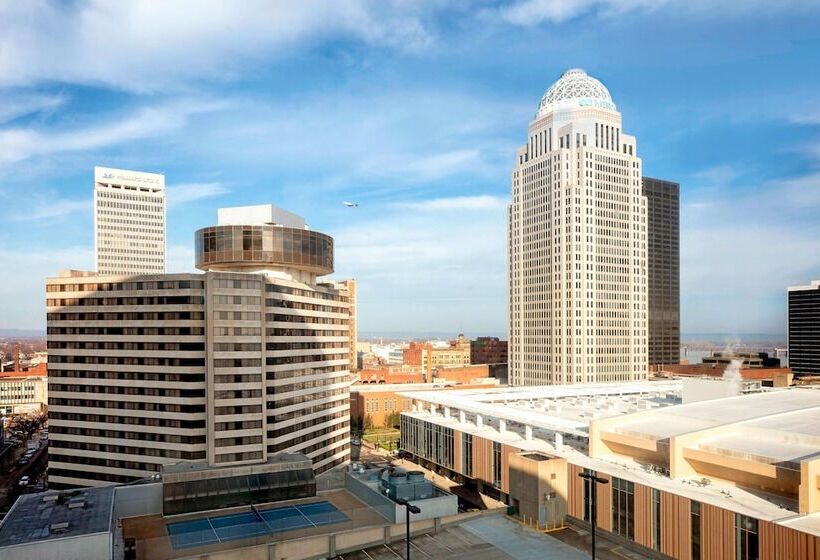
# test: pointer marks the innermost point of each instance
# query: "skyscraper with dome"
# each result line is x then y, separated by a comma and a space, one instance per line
577, 243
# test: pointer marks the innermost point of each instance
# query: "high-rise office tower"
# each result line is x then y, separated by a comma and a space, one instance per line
577, 243
226, 367
663, 259
129, 221
804, 329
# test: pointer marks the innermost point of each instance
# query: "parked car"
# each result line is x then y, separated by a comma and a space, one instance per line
22, 461
24, 480
355, 441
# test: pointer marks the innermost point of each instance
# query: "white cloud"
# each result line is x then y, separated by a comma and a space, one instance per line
48, 209
21, 144
426, 270
722, 175
535, 12
456, 204
423, 167
740, 249
144, 45
14, 104
188, 192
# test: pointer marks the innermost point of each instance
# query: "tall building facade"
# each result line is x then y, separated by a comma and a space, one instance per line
663, 267
129, 222
804, 329
227, 367
577, 243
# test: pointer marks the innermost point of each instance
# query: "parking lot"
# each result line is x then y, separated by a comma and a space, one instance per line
23, 458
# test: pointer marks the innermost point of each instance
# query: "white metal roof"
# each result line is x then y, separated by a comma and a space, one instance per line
561, 408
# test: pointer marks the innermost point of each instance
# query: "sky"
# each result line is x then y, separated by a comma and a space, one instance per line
414, 110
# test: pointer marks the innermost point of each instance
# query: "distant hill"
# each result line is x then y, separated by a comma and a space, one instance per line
22, 333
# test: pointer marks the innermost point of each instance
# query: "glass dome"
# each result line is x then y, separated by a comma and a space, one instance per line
575, 84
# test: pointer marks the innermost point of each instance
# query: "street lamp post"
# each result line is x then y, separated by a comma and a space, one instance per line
594, 481
410, 508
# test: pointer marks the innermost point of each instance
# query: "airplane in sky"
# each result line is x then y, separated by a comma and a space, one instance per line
351, 204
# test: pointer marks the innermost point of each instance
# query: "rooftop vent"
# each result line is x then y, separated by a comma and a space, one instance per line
59, 527
74, 504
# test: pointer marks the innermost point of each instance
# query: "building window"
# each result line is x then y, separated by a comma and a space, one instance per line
656, 520
467, 454
496, 464
623, 508
694, 518
588, 497
746, 543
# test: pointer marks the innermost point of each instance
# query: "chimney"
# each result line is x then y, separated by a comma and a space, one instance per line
16, 356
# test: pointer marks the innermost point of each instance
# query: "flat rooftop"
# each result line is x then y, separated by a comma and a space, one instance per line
561, 408
776, 427
153, 530
764, 408
57, 515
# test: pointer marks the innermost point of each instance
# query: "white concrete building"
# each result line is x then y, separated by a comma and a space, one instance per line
230, 366
577, 243
129, 221
22, 392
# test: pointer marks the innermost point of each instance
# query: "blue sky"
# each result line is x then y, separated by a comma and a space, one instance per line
413, 109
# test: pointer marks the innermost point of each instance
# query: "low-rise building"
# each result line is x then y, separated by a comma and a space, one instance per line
768, 376
733, 477
431, 356
380, 405
488, 350
749, 359
24, 391
462, 374
392, 374
266, 510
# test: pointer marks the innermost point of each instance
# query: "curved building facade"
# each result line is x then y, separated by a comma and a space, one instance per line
577, 243
264, 247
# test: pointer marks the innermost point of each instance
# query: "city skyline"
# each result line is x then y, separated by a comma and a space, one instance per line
405, 113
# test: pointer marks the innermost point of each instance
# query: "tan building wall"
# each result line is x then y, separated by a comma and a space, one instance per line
377, 405
462, 374
717, 533
525, 481
534, 476
778, 542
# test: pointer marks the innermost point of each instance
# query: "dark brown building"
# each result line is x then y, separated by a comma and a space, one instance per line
663, 261
488, 350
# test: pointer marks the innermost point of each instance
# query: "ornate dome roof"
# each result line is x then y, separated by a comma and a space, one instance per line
575, 84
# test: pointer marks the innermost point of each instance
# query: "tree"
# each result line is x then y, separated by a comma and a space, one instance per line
393, 419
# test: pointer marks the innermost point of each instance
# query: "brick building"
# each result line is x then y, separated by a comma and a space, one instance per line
430, 356
488, 350
392, 374
462, 374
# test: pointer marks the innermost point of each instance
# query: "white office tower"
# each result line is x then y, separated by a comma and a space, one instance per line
129, 222
577, 236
